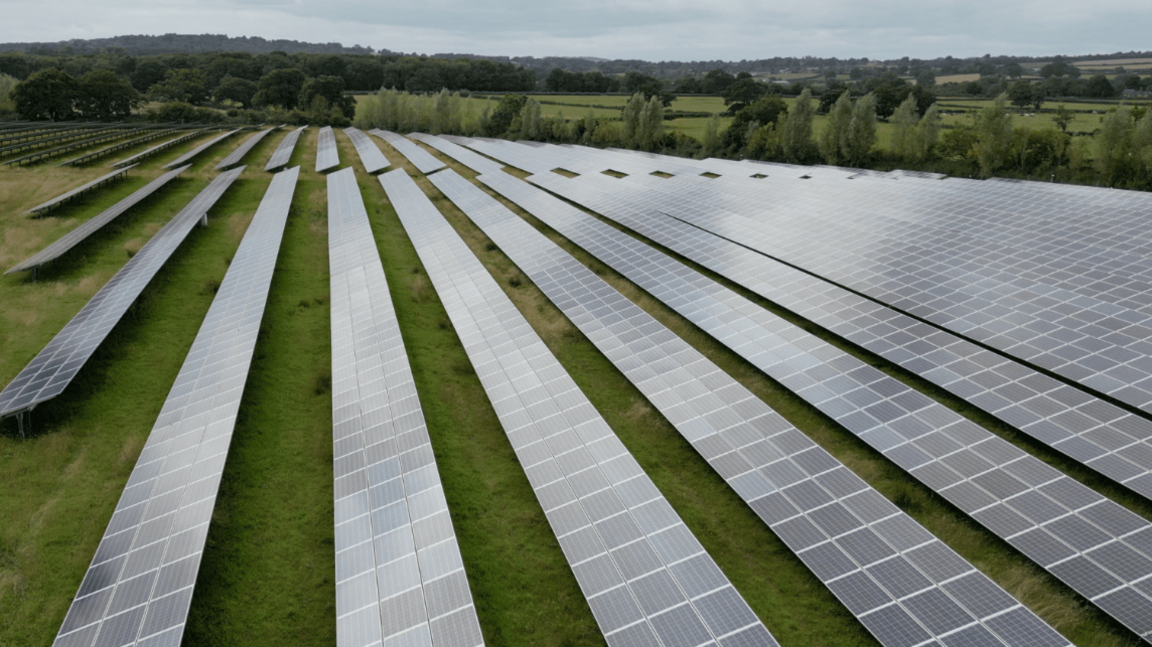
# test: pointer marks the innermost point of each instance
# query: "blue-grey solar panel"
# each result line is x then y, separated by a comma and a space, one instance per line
139, 587
620, 535
327, 157
77, 235
284, 151
53, 368
242, 150
419, 157
997, 484
186, 157
370, 155
782, 475
395, 545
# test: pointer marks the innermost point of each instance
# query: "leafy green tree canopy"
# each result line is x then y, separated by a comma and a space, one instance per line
103, 95
280, 88
47, 94
241, 91
332, 89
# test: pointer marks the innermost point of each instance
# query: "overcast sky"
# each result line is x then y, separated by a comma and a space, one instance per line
645, 29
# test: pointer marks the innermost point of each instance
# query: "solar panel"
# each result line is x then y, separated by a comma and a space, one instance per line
201, 148
159, 147
370, 155
1102, 436
395, 545
617, 531
419, 157
781, 474
139, 586
284, 151
77, 235
109, 135
64, 197
103, 130
327, 157
968, 466
465, 156
47, 375
243, 149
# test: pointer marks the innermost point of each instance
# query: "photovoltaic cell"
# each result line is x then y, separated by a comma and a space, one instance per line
283, 152
139, 586
327, 157
419, 157
610, 519
47, 375
466, 156
370, 155
242, 150
395, 545
883, 412
743, 439
77, 235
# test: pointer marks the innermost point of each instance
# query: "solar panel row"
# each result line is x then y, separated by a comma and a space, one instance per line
327, 157
139, 586
64, 197
647, 579
185, 158
399, 575
47, 375
284, 151
159, 147
899, 580
69, 135
235, 156
370, 155
1037, 509
470, 159
44, 153
77, 235
419, 157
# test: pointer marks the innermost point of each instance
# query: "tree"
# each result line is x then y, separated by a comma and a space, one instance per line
630, 118
1100, 87
241, 91
103, 95
1113, 145
861, 131
651, 129
332, 89
711, 138
993, 136
764, 111
510, 106
7, 84
717, 81
926, 78
904, 125
796, 135
927, 133
46, 95
833, 140
148, 73
280, 88
742, 93
1063, 117
530, 120
182, 85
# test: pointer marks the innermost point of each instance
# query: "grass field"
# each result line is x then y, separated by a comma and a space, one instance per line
267, 574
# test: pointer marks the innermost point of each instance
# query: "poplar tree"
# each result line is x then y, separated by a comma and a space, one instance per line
861, 130
796, 140
905, 130
833, 141
993, 136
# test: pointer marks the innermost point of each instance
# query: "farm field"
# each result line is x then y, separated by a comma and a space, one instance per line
267, 577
